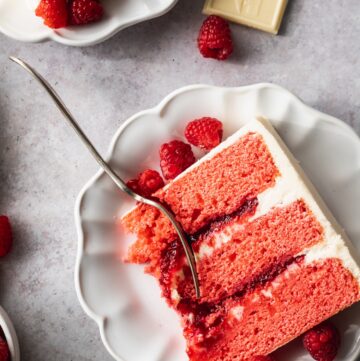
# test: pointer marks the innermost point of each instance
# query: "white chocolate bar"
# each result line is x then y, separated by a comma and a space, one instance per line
264, 15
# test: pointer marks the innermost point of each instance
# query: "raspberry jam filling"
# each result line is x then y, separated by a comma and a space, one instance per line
172, 258
247, 208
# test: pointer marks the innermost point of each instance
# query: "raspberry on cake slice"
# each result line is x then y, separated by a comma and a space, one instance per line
271, 259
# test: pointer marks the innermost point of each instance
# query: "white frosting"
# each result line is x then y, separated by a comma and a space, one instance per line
267, 293
237, 312
175, 295
217, 239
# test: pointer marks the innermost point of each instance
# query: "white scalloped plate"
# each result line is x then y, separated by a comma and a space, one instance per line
135, 324
18, 20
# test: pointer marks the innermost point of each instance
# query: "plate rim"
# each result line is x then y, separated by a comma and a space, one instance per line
157, 109
92, 40
10, 335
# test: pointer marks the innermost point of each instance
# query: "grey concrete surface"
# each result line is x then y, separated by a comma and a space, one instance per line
43, 167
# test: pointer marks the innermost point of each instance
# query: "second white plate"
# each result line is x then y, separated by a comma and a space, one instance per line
134, 322
18, 20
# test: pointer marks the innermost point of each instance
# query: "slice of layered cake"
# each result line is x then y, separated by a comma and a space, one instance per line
271, 259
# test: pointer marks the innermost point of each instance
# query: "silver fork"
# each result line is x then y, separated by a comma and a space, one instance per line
111, 173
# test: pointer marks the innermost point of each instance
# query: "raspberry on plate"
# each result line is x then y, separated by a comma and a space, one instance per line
85, 11
214, 40
175, 157
54, 13
4, 350
322, 342
147, 183
205, 133
5, 236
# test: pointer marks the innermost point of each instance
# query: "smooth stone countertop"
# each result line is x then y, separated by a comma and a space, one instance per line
43, 166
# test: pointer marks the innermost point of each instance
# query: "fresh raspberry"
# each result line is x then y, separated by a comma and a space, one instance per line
262, 358
5, 236
205, 133
85, 11
175, 157
322, 342
214, 39
4, 350
54, 13
133, 184
147, 183
151, 181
